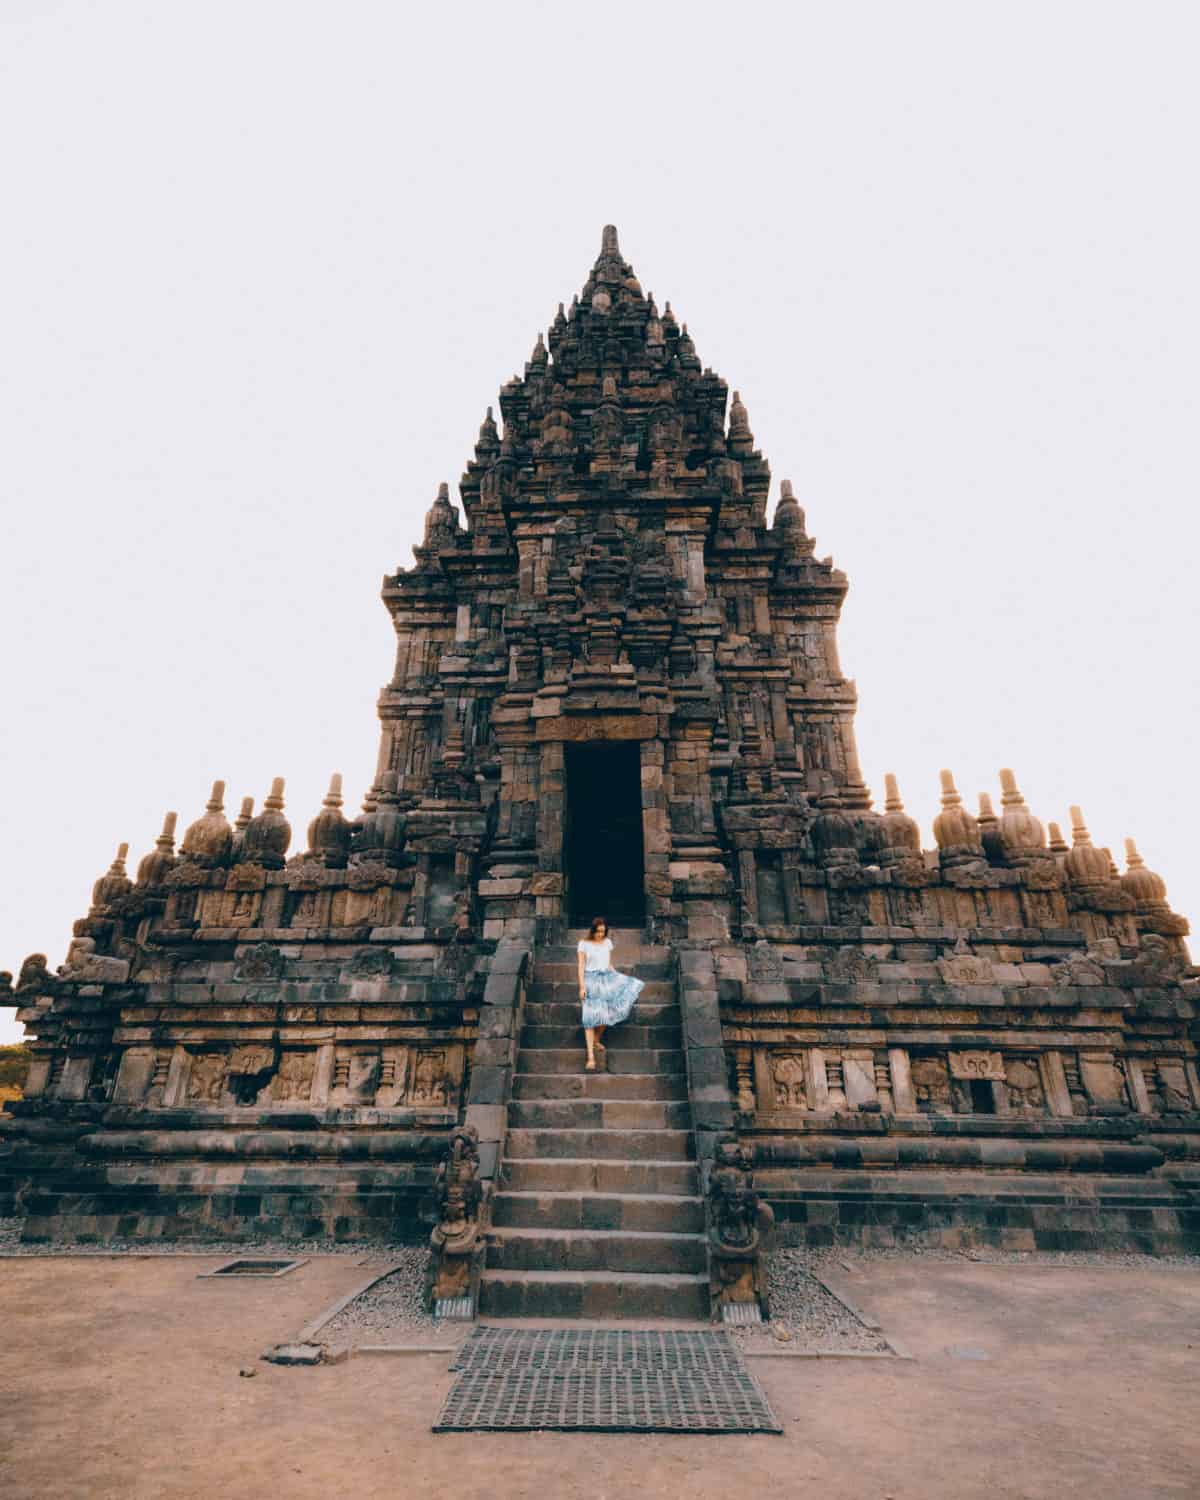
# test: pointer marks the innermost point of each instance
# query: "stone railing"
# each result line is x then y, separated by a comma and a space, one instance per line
736, 1219
467, 1178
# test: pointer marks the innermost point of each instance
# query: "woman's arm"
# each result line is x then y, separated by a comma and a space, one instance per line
582, 990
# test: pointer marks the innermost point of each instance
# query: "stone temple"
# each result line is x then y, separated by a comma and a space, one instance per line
617, 689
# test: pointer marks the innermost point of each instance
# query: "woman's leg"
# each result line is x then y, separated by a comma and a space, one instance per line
589, 1035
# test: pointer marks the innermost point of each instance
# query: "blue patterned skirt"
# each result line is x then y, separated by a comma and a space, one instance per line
608, 996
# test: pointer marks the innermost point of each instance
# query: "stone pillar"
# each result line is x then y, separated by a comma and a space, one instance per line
1054, 1084
322, 1075
748, 881
656, 832
76, 1076
37, 1078
549, 798
793, 901
175, 1091
902, 1088
818, 1083
1137, 1085
133, 1075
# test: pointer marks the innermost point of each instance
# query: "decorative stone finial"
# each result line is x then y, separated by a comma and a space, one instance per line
1058, 844
740, 436
1147, 889
954, 828
441, 521
1085, 864
789, 518
609, 248
156, 865
242, 821
329, 832
686, 351
209, 840
381, 833
897, 831
267, 837
487, 445
113, 884
1020, 832
989, 829
833, 832
540, 356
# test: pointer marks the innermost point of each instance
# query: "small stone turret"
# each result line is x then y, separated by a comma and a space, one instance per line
899, 835
833, 832
267, 837
329, 832
955, 829
1085, 864
989, 829
382, 830
1058, 845
487, 445
209, 840
158, 864
112, 885
1147, 889
741, 439
441, 524
1021, 834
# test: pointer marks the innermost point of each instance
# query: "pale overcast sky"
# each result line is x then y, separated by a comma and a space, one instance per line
265, 263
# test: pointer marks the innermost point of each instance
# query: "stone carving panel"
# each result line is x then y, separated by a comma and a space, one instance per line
206, 1078
1023, 1080
789, 1074
969, 1065
294, 1078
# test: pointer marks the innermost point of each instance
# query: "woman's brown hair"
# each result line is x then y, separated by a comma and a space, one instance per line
597, 922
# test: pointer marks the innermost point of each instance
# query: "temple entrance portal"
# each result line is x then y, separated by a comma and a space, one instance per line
605, 871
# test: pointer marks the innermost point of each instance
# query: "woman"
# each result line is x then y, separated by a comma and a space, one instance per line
607, 996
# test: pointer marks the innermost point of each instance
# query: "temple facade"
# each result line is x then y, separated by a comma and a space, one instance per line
617, 691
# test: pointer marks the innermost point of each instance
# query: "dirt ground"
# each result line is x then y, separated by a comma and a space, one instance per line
119, 1378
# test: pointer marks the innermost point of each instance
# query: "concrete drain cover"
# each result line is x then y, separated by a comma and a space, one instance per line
254, 1268
611, 1380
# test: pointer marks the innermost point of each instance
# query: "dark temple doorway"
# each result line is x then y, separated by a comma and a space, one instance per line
603, 834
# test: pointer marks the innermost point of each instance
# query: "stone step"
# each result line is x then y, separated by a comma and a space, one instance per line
566, 992
621, 1145
620, 1060
599, 1114
625, 940
630, 1211
582, 1294
513, 1249
566, 1012
549, 971
628, 1036
665, 1086
598, 1175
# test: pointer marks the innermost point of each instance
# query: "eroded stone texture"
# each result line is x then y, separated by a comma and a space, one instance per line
896, 1031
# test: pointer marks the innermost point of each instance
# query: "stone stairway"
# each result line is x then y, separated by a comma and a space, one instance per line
597, 1212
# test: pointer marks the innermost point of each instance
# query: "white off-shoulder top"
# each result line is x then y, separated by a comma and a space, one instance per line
596, 956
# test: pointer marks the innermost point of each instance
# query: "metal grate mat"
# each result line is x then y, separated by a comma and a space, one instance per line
616, 1380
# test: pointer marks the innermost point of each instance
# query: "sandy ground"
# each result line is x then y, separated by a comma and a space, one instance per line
119, 1378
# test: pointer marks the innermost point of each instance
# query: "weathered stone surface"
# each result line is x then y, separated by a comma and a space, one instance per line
612, 585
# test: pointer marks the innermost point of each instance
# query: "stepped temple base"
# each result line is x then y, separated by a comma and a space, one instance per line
617, 689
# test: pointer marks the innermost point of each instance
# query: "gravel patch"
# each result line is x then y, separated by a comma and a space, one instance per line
392, 1311
805, 1316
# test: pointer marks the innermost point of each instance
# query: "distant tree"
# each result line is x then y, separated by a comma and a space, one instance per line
14, 1069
